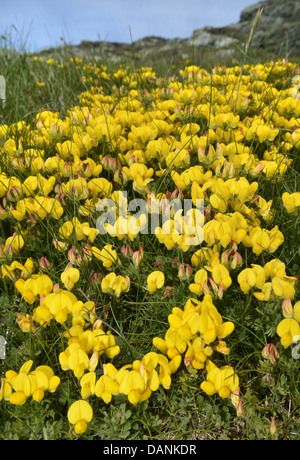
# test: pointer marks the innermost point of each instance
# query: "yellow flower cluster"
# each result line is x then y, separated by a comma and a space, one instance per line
137, 380
17, 387
194, 331
271, 279
210, 136
289, 328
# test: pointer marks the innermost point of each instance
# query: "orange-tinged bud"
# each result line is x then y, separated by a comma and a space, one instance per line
240, 410
138, 256
44, 263
287, 308
185, 271
93, 361
126, 250
25, 323
235, 397
14, 194
96, 278
273, 428
270, 352
98, 324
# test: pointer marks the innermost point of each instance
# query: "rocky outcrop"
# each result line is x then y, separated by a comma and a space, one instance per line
278, 28
277, 32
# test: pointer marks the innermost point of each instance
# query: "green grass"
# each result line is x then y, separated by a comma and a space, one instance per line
183, 412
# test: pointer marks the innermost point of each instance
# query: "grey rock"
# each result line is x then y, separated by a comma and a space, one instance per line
207, 37
277, 32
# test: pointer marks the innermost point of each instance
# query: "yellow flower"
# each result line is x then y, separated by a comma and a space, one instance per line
42, 379
75, 359
287, 329
221, 276
132, 382
283, 286
264, 133
266, 292
5, 389
296, 311
251, 277
33, 287
105, 343
115, 284
107, 255
58, 305
155, 281
260, 241
35, 383
291, 201
199, 279
70, 277
13, 244
223, 381
80, 413
87, 383
25, 323
20, 383
197, 353
274, 268
67, 150
107, 385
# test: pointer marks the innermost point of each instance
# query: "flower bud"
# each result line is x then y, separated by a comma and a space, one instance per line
240, 410
9, 250
44, 263
96, 278
188, 364
56, 287
14, 194
225, 257
60, 245
127, 279
93, 361
56, 131
98, 324
270, 352
33, 218
153, 204
177, 194
25, 323
120, 177
3, 213
236, 261
188, 271
206, 288
287, 308
158, 265
235, 397
87, 252
185, 272
273, 429
74, 256
126, 251
181, 274
138, 256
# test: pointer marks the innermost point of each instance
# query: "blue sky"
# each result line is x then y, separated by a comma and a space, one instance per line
42, 23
